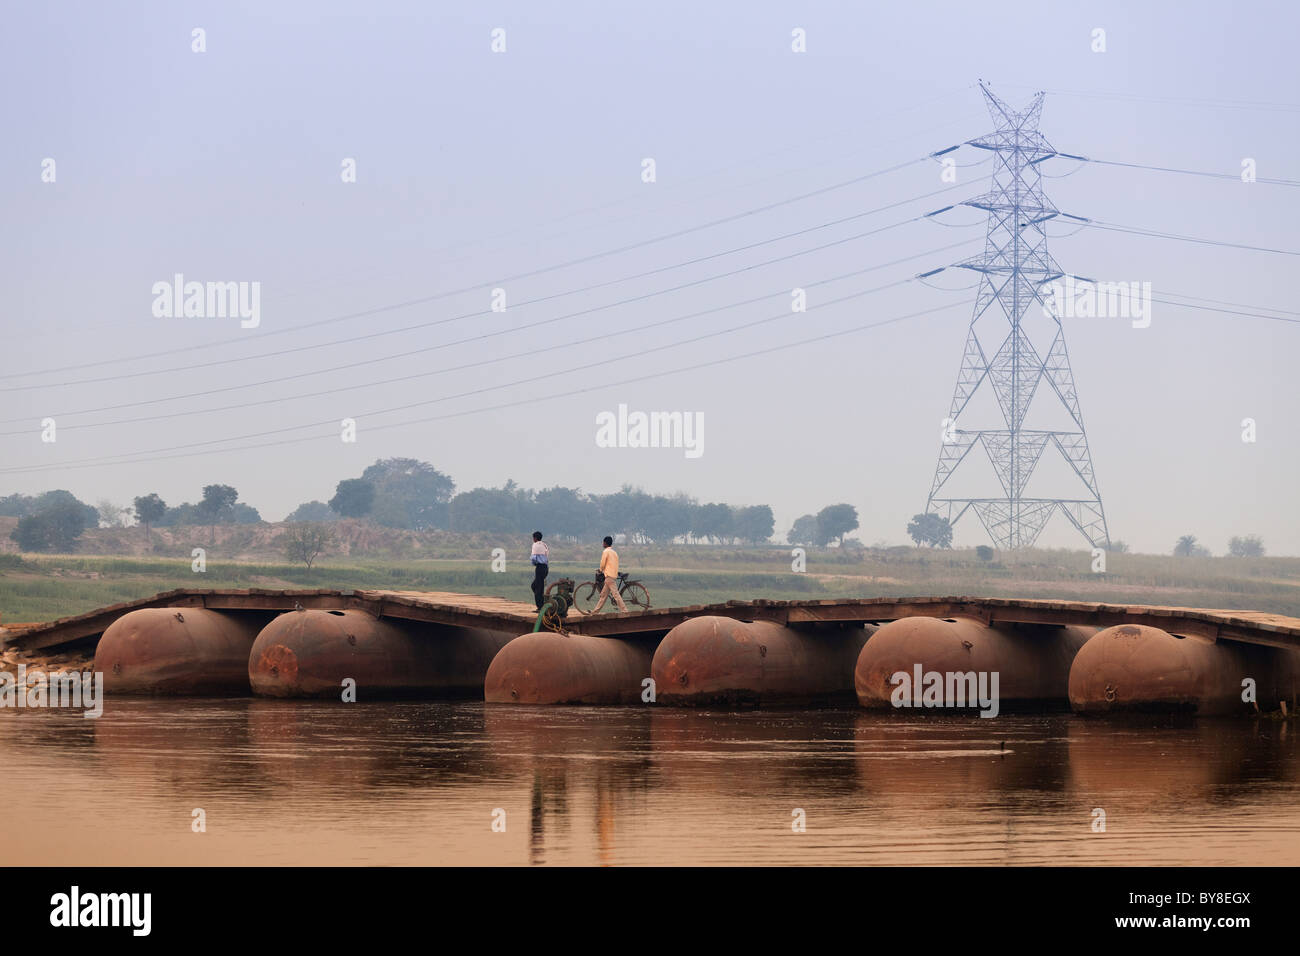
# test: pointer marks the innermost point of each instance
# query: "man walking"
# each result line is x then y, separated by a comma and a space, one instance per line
541, 559
609, 568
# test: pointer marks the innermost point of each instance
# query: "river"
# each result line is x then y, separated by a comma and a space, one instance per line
423, 782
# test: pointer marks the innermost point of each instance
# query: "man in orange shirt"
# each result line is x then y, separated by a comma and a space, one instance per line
609, 568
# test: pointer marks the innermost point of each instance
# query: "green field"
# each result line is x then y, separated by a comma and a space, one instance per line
44, 587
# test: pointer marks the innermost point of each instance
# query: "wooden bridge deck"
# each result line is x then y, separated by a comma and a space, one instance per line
470, 610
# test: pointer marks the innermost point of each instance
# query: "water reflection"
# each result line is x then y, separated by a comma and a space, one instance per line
422, 782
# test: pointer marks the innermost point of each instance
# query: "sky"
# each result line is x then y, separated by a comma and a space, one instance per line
524, 170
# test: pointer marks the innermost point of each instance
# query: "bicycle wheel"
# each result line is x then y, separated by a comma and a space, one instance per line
585, 596
636, 596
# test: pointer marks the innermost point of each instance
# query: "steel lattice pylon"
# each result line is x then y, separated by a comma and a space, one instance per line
1015, 269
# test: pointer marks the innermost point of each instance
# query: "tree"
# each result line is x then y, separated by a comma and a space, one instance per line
55, 528
713, 521
111, 515
931, 529
1187, 547
409, 493
984, 552
47, 501
1248, 547
804, 530
637, 506
304, 542
148, 510
218, 505
241, 513
627, 511
179, 515
561, 513
485, 509
755, 523
834, 522
668, 518
312, 511
353, 497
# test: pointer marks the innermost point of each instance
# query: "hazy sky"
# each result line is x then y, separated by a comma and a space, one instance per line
473, 167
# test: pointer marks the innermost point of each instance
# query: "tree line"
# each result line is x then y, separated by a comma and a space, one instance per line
53, 521
405, 493
1246, 546
408, 494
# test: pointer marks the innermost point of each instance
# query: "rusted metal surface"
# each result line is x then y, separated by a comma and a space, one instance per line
310, 653
173, 650
1032, 661
1139, 668
719, 660
550, 668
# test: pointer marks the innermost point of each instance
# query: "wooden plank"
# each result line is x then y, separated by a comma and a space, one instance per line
275, 602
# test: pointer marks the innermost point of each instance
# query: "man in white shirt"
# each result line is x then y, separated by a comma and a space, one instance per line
541, 559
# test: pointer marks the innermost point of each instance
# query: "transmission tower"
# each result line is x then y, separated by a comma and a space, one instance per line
1015, 270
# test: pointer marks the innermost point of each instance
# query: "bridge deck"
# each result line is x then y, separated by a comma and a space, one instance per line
470, 610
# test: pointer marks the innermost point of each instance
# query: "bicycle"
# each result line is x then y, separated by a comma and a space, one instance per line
633, 593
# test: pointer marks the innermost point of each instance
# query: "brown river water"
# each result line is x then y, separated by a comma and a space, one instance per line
294, 782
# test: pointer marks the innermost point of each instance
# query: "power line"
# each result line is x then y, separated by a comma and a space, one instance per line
628, 247
108, 462
1242, 305
677, 201
1258, 312
1134, 230
1206, 308
351, 365
527, 381
546, 298
1235, 177
1186, 172
1173, 100
450, 369
148, 456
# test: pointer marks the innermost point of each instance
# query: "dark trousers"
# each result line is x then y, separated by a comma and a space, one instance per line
539, 582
